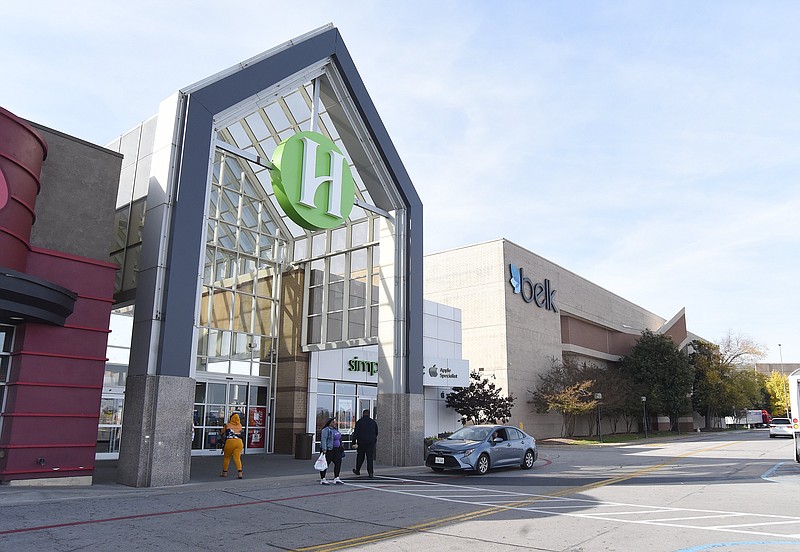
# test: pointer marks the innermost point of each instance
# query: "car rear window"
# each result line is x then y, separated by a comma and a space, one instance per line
780, 421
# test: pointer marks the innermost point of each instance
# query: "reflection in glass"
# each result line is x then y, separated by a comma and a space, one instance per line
215, 416
338, 239
315, 329
360, 233
318, 244
324, 411
334, 332
216, 393
336, 296
337, 269
355, 323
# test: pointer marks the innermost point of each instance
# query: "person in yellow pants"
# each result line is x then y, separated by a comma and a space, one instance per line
234, 444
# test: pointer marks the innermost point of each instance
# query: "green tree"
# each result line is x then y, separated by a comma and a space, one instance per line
710, 398
662, 373
567, 389
746, 388
480, 403
724, 384
777, 385
615, 388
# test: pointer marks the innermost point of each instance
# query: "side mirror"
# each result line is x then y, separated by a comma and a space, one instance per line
497, 440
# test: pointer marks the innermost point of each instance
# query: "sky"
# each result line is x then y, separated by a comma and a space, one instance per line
650, 147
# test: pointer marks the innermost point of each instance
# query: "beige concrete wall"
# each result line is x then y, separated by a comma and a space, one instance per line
471, 279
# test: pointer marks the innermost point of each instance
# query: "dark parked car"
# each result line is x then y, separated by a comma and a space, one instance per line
481, 447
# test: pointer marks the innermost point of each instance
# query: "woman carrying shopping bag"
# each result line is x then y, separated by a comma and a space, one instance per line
331, 445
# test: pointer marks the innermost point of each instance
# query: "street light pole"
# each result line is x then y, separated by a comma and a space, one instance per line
644, 412
598, 397
784, 384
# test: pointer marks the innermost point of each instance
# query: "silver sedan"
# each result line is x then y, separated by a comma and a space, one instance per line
479, 448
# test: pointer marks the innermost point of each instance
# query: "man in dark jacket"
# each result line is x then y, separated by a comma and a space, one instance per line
365, 436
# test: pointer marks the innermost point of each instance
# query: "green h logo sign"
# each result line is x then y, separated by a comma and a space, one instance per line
312, 181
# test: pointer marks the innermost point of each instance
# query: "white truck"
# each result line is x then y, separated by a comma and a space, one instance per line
794, 405
755, 418
752, 418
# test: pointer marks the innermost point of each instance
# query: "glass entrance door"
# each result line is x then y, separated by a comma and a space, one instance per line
366, 404
109, 428
216, 401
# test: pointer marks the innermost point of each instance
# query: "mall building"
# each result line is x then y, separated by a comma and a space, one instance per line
520, 311
256, 247
264, 227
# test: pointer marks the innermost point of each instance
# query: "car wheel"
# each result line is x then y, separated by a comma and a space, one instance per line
438, 469
528, 460
482, 466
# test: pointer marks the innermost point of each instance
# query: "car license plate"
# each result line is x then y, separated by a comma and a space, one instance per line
438, 460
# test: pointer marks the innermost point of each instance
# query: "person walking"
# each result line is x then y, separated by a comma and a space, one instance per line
365, 437
331, 445
233, 433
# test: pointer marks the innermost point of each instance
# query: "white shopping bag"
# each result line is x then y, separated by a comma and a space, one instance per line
321, 463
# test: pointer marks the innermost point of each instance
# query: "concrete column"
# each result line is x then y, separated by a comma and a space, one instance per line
157, 441
401, 415
401, 429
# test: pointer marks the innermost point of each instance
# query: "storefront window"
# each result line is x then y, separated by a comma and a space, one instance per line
345, 402
215, 403
6, 338
109, 428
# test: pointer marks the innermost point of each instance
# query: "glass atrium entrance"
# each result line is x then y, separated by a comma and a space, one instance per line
216, 401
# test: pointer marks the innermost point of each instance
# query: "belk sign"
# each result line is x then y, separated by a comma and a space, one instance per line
539, 293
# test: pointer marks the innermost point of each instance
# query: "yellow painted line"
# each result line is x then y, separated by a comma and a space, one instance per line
420, 527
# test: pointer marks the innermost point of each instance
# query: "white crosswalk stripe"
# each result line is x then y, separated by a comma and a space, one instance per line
764, 525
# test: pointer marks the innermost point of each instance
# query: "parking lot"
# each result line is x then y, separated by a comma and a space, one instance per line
688, 493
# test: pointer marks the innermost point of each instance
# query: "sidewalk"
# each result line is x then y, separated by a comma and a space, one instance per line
272, 469
206, 469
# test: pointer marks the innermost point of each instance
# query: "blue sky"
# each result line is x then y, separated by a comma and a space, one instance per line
650, 147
